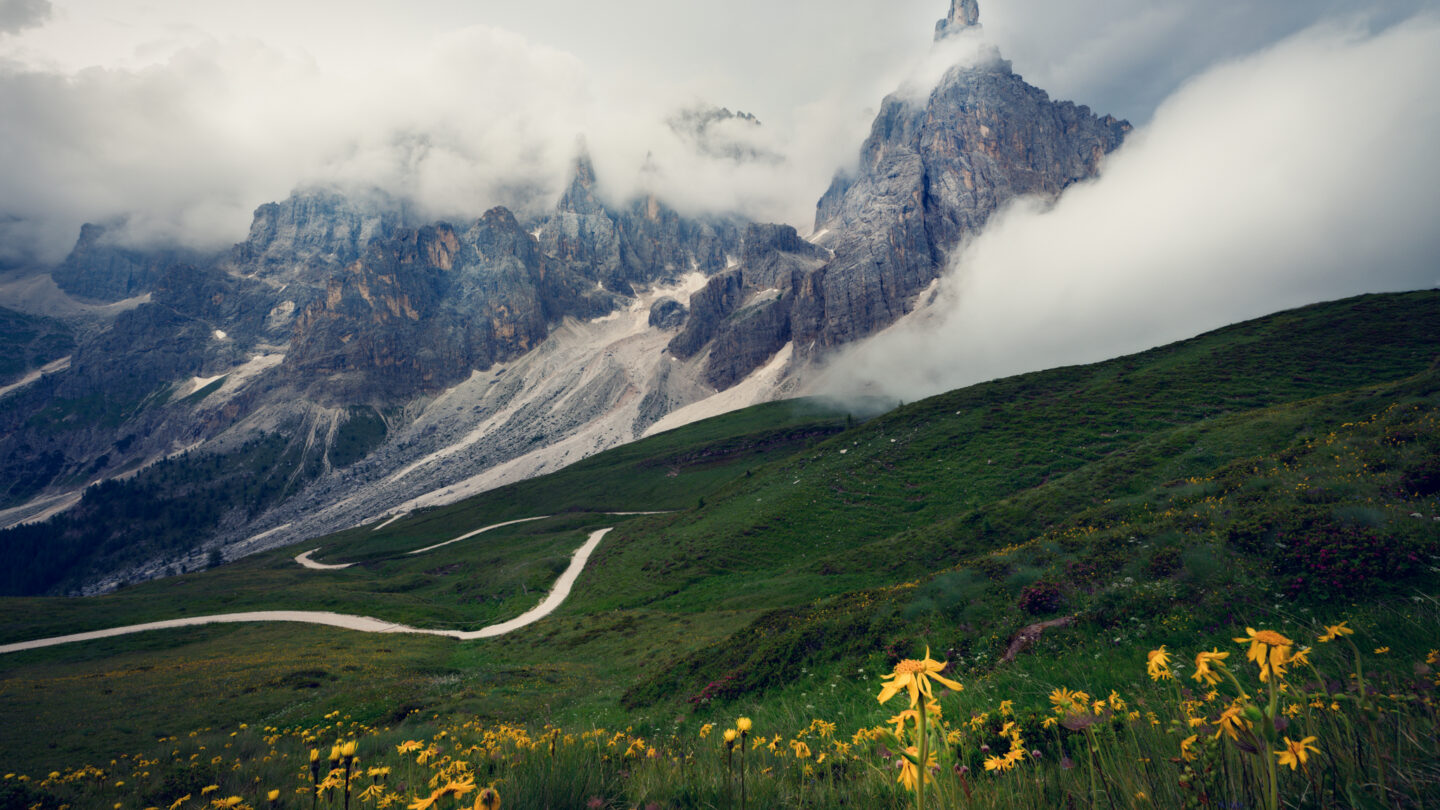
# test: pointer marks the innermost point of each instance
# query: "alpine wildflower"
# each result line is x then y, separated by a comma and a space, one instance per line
1203, 663
1335, 631
1269, 650
1296, 752
915, 677
1157, 663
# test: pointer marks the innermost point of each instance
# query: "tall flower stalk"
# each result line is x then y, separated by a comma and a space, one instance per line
914, 677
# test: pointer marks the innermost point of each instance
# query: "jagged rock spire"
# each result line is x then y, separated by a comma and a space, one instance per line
963, 14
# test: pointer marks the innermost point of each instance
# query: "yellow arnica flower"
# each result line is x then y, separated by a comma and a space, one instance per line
349, 749
705, 730
1296, 753
1068, 701
915, 676
1269, 650
730, 735
273, 796
1157, 663
488, 799
1334, 631
744, 725
1232, 722
1185, 752
1203, 663
909, 773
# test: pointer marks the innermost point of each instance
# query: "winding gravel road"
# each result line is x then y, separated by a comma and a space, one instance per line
364, 624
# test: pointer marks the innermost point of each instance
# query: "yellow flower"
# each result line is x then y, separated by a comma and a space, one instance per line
1185, 752
223, 804
899, 721
1268, 649
1203, 663
1007, 707
1068, 701
349, 749
1157, 663
1334, 631
802, 751
422, 802
909, 773
1381, 650
915, 676
273, 796
208, 789
403, 748
743, 724
705, 730
1231, 722
488, 799
1295, 753
1301, 656
461, 787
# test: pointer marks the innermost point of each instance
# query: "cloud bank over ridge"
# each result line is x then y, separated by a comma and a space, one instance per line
1304, 172
183, 117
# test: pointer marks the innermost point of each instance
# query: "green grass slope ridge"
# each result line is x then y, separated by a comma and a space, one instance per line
1162, 497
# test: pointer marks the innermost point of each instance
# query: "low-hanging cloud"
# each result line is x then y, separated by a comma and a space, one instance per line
17, 15
180, 151
1302, 173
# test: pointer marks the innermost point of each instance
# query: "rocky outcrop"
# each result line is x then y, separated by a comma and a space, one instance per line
930, 175
667, 313
716, 132
313, 231
963, 14
420, 310
744, 315
100, 269
642, 242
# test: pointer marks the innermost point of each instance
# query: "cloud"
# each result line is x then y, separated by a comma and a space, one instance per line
1126, 56
1304, 172
17, 15
186, 136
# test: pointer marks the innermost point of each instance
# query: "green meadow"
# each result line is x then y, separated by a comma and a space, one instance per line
1036, 533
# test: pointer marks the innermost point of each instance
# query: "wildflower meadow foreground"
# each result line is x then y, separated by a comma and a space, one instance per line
1270, 720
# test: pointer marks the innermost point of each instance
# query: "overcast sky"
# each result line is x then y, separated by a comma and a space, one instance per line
183, 115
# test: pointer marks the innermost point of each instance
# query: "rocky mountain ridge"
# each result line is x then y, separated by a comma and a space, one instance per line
373, 346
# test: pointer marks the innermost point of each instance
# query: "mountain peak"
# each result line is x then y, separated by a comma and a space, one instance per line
963, 14
580, 197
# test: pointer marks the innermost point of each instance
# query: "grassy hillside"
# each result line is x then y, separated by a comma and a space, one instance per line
1283, 472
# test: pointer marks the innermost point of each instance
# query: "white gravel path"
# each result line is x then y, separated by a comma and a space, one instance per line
364, 624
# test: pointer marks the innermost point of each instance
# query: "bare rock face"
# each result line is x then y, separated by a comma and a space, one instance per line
963, 14
930, 174
638, 243
313, 231
99, 269
667, 313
